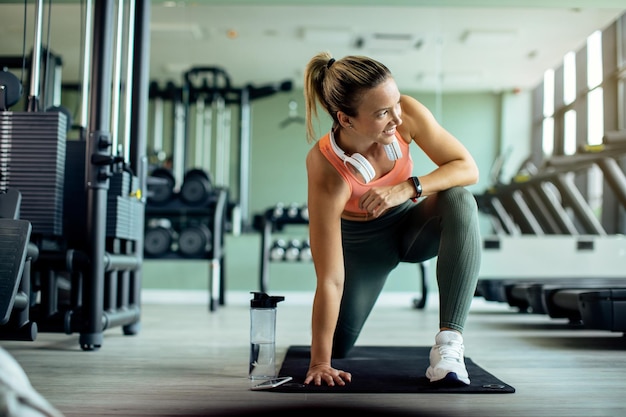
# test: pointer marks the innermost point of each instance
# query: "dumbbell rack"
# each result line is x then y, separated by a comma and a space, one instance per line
212, 213
271, 221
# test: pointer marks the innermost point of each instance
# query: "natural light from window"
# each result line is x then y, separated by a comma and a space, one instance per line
548, 93
595, 109
548, 111
569, 133
569, 78
548, 136
595, 114
594, 59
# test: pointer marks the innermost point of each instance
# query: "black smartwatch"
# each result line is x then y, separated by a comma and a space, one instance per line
418, 188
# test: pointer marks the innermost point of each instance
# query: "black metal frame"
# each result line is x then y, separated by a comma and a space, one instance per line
93, 283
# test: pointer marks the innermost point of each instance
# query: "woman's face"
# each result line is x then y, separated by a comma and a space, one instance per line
378, 114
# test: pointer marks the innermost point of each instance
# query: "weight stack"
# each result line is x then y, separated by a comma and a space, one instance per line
75, 205
32, 160
122, 209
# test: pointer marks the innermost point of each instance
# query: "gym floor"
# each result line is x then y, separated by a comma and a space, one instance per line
187, 361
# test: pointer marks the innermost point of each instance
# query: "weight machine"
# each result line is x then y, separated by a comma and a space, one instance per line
205, 133
187, 212
87, 225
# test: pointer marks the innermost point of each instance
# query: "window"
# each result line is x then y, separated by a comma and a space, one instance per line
595, 116
548, 136
548, 93
594, 59
562, 121
569, 78
569, 133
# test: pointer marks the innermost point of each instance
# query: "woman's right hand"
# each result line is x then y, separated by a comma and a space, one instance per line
326, 373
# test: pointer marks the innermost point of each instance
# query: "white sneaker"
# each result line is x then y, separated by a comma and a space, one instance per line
446, 359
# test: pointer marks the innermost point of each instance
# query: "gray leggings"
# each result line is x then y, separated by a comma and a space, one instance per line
443, 225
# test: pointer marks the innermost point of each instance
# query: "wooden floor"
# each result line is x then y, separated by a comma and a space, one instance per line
187, 361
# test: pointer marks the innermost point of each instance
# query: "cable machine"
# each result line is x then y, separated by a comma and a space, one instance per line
187, 206
87, 271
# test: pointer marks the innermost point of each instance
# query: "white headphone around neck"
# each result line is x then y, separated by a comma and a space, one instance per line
361, 163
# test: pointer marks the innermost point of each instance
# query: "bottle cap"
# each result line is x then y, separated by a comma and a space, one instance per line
262, 300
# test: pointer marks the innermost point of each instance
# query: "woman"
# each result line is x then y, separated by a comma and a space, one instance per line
364, 217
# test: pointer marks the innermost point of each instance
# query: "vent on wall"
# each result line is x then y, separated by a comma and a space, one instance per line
393, 42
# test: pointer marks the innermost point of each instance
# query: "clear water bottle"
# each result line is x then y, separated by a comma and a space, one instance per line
263, 336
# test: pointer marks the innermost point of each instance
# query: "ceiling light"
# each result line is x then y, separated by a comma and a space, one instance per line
480, 37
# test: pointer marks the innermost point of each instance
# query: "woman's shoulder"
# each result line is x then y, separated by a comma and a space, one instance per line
415, 116
412, 106
314, 153
316, 158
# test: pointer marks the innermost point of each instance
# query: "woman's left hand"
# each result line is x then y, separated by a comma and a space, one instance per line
378, 199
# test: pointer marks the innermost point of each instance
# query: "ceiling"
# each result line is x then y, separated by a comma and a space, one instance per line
429, 45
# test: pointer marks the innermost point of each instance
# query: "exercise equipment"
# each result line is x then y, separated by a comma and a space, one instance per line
195, 241
10, 90
14, 239
547, 297
193, 205
196, 187
178, 230
18, 254
293, 211
604, 309
277, 251
159, 237
386, 369
564, 301
550, 247
292, 252
205, 108
283, 249
305, 251
161, 185
38, 139
84, 199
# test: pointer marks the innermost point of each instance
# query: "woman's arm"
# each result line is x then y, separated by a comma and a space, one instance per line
455, 165
327, 196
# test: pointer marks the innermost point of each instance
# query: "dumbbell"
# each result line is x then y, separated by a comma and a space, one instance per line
279, 211
293, 211
305, 251
292, 252
195, 241
196, 188
158, 237
304, 212
160, 186
277, 251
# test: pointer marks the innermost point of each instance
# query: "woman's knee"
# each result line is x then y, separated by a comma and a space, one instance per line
458, 198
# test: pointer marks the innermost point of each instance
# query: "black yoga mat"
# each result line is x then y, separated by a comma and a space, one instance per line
386, 369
